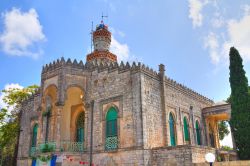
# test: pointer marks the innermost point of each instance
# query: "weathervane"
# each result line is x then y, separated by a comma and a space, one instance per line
104, 17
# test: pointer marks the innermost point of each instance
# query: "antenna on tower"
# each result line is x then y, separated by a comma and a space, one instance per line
91, 38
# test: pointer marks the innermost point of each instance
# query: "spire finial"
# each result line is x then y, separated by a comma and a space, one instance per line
103, 17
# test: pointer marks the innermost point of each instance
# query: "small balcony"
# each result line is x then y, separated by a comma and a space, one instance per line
111, 143
65, 146
68, 146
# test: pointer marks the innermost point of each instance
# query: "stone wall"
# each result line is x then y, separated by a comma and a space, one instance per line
151, 111
226, 163
29, 118
111, 89
183, 102
179, 155
136, 92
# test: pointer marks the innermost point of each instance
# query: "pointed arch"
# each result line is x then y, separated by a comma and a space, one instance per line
198, 132
172, 130
34, 135
186, 129
111, 129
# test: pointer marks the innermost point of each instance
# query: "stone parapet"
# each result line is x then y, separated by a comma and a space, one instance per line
188, 91
180, 155
111, 66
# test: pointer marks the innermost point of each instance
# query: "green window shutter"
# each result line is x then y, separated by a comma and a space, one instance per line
172, 130
80, 128
198, 133
111, 129
111, 122
186, 131
111, 114
34, 136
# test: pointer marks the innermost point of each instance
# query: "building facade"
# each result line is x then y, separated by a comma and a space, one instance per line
106, 113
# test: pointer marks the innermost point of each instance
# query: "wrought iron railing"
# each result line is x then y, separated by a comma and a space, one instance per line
65, 146
33, 151
43, 148
47, 147
111, 143
69, 146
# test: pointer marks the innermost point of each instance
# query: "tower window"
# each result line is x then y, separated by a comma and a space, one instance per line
111, 129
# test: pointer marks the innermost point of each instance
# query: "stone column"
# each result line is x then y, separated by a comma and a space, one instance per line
193, 136
58, 126
207, 133
163, 101
216, 135
91, 131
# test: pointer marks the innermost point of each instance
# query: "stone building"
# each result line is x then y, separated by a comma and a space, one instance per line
115, 114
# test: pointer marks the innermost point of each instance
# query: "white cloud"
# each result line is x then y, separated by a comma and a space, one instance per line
195, 8
117, 32
22, 33
119, 49
120, 33
8, 86
239, 36
211, 43
236, 33
218, 20
246, 9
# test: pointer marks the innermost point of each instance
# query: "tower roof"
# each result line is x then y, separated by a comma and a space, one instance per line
101, 39
102, 31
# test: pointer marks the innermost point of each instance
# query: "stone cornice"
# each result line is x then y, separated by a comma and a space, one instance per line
216, 109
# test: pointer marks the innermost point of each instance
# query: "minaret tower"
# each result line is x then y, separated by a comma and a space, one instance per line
101, 40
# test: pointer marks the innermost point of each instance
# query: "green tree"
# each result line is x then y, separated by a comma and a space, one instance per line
9, 122
226, 148
240, 114
223, 129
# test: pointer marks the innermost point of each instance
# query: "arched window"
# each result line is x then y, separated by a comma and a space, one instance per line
198, 132
172, 129
34, 135
111, 129
80, 128
186, 131
47, 114
33, 140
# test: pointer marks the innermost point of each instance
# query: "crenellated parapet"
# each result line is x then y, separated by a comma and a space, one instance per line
108, 66
61, 62
188, 91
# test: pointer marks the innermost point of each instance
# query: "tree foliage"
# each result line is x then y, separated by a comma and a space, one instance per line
9, 122
223, 129
240, 114
226, 148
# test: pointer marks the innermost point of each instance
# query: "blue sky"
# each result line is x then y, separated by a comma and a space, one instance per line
191, 37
